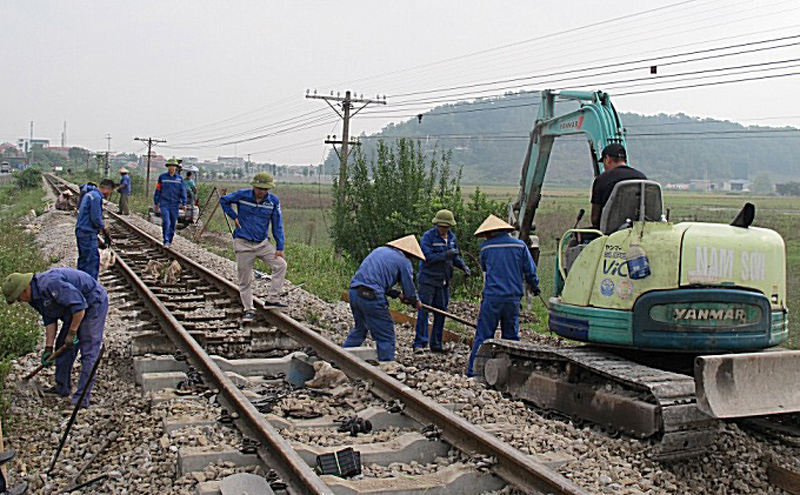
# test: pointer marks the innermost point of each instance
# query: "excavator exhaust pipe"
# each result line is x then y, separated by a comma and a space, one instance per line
750, 384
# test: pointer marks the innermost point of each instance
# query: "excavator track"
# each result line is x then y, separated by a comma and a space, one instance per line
596, 385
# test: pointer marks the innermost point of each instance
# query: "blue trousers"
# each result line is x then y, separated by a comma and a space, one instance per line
494, 310
169, 220
90, 339
437, 296
88, 254
373, 317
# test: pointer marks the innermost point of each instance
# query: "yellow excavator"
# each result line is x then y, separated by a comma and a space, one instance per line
668, 350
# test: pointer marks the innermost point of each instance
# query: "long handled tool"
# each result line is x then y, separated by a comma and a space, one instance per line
112, 437
61, 350
449, 315
75, 410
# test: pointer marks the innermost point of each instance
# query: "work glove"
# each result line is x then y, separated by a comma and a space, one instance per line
101, 244
536, 291
393, 293
48, 351
451, 253
107, 238
71, 340
467, 271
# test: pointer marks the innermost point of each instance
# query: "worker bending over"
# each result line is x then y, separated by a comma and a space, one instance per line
441, 254
124, 190
170, 195
256, 210
615, 169
89, 225
379, 272
507, 264
81, 303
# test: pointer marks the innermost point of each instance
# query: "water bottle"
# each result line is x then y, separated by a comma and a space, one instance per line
638, 264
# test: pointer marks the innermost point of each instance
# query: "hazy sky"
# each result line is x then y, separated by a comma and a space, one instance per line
203, 74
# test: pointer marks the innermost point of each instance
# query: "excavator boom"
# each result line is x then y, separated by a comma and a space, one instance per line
596, 119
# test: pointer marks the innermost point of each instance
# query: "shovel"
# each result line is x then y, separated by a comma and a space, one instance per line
450, 315
61, 350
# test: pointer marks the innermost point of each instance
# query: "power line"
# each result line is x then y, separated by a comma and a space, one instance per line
523, 42
650, 62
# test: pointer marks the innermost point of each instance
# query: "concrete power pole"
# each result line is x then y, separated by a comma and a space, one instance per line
149, 142
108, 154
345, 114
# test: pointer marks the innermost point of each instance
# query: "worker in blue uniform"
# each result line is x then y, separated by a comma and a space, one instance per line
89, 225
507, 264
170, 195
440, 248
124, 189
379, 272
81, 304
256, 209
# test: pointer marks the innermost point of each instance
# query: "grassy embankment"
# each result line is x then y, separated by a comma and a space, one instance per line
18, 253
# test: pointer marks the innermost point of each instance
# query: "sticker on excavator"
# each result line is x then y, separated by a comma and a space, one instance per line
749, 384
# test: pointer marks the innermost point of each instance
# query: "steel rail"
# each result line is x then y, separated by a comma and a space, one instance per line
276, 452
512, 465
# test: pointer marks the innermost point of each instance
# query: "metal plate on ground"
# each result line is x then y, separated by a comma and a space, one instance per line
750, 384
245, 484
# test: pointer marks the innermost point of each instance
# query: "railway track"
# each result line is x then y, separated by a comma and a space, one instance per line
198, 310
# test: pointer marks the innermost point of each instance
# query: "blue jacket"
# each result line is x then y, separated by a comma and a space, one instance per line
505, 261
125, 184
59, 293
437, 269
170, 190
254, 218
384, 267
90, 213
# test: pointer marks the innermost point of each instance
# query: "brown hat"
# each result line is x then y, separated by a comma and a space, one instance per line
491, 224
408, 245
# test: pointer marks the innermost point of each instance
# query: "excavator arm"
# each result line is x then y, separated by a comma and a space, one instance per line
596, 119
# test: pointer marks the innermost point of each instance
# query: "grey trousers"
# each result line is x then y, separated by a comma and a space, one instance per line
246, 254
123, 204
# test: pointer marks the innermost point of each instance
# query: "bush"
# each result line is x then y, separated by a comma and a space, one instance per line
28, 178
397, 193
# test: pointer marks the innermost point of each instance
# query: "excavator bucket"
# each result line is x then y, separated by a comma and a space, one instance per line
750, 384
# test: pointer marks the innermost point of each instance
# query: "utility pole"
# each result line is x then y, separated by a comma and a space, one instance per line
345, 114
108, 154
150, 142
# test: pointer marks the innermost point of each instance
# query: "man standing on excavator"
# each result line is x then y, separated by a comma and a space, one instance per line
615, 169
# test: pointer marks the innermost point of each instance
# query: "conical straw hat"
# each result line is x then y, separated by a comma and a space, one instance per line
492, 223
409, 245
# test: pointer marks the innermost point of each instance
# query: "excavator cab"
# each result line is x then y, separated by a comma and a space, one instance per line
631, 200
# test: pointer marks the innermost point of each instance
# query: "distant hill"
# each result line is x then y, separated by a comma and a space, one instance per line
725, 150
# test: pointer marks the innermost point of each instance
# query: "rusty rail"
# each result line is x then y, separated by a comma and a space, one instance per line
512, 465
276, 452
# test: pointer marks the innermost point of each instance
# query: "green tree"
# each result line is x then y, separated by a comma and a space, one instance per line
397, 193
